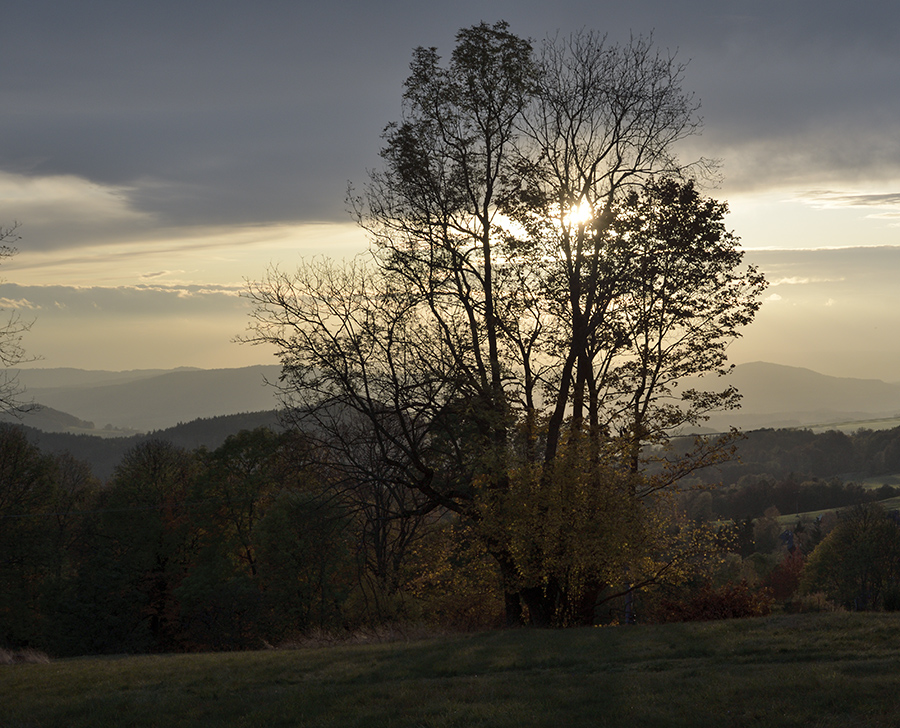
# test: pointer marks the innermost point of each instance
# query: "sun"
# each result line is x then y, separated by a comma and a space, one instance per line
580, 214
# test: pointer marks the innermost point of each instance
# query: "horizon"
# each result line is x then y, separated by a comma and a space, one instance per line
156, 161
165, 370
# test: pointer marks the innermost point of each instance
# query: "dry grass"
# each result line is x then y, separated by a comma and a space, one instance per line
382, 634
19, 657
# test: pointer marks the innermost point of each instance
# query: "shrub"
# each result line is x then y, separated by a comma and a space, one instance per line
785, 578
731, 601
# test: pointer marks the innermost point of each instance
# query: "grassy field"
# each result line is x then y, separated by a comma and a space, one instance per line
792, 670
849, 427
876, 481
788, 520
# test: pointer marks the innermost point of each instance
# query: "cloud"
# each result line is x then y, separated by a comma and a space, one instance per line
66, 210
122, 301
183, 256
832, 198
857, 284
887, 203
264, 116
157, 274
800, 281
152, 147
18, 304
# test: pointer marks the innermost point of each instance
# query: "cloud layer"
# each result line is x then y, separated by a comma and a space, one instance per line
215, 114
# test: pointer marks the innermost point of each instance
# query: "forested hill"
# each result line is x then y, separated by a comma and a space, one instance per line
802, 452
104, 453
778, 454
86, 402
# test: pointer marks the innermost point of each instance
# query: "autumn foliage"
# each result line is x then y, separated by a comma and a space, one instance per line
731, 601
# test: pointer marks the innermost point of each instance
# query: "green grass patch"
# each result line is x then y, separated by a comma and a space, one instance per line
876, 481
788, 520
851, 426
823, 670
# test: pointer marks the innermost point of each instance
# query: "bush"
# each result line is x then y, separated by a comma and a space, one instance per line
731, 601
785, 578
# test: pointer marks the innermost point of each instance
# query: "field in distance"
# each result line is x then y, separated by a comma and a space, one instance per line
834, 669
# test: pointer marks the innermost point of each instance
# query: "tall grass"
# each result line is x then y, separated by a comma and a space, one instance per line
13, 657
823, 670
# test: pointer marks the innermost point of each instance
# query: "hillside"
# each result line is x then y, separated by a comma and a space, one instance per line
122, 403
103, 454
149, 400
774, 395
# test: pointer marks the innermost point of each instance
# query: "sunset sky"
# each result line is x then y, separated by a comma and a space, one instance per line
158, 153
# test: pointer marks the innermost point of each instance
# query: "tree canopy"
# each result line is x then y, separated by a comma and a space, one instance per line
543, 273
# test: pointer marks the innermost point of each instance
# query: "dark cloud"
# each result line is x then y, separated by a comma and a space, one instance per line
227, 113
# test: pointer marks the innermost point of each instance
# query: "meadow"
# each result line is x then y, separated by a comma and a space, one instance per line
829, 669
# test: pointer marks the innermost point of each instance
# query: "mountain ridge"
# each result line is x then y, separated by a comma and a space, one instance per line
189, 407
776, 395
147, 400
773, 395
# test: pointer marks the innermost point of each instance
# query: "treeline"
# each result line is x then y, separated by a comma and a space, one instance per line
257, 542
754, 495
103, 454
248, 544
783, 453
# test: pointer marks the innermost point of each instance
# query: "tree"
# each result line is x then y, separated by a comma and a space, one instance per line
144, 538
41, 499
307, 565
26, 542
220, 603
542, 276
11, 332
858, 564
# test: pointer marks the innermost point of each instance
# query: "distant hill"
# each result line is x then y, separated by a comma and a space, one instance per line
48, 419
774, 395
49, 378
95, 414
116, 404
146, 400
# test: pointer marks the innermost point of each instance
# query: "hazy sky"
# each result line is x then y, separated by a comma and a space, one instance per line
159, 153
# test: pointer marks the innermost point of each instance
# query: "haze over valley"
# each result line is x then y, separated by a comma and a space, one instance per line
111, 403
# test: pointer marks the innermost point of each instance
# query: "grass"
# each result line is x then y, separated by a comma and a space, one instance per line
876, 481
889, 504
789, 519
789, 670
851, 426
